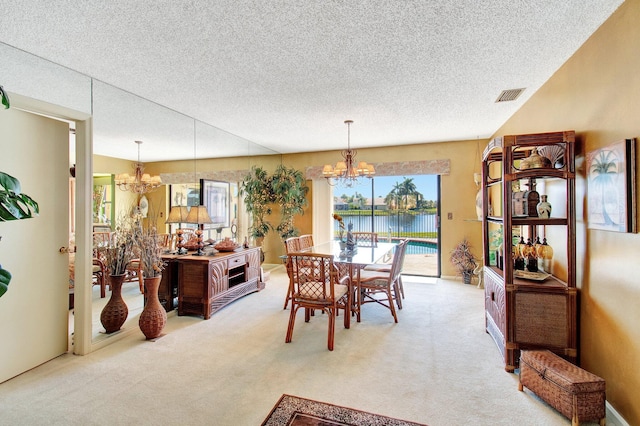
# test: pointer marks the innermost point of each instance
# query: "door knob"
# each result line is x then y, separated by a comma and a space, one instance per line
64, 250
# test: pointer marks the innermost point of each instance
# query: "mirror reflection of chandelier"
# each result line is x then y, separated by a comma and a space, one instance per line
140, 182
347, 172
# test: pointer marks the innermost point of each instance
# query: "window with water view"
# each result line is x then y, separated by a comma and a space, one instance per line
396, 207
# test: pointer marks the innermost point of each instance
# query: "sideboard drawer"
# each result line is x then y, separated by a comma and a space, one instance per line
237, 261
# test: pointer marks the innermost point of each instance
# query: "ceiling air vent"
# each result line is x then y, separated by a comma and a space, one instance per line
509, 95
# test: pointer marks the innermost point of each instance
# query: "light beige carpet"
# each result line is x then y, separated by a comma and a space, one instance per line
436, 366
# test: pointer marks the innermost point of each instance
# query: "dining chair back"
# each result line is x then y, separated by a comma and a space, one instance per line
99, 273
370, 284
386, 267
134, 272
366, 238
291, 245
316, 286
165, 241
306, 241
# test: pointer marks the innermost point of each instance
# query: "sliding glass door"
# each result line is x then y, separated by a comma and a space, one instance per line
397, 207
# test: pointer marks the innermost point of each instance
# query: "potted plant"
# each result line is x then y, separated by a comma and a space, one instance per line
149, 246
463, 259
14, 205
286, 188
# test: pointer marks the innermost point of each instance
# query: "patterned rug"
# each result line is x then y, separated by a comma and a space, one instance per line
294, 411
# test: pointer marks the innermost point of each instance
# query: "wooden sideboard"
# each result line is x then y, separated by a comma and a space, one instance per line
209, 283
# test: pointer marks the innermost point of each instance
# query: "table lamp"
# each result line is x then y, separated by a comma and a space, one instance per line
178, 214
199, 215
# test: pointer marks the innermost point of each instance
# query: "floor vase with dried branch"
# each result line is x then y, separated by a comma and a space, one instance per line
153, 317
115, 312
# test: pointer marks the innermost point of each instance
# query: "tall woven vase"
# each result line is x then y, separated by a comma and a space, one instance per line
115, 312
153, 317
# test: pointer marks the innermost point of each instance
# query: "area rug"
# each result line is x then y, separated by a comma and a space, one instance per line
294, 411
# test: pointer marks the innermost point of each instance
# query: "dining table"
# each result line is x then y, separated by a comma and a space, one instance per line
350, 262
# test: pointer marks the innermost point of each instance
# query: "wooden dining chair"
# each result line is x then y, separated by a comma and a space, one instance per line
99, 273
316, 285
306, 241
165, 241
291, 245
366, 238
134, 272
370, 284
386, 267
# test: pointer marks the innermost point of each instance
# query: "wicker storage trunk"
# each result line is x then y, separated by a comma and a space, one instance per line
576, 393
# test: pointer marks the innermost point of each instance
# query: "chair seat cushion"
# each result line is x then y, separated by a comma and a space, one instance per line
385, 267
96, 268
307, 290
372, 277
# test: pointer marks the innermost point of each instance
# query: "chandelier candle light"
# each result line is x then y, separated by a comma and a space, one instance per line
347, 172
140, 182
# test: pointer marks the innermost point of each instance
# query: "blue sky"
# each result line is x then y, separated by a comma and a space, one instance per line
426, 185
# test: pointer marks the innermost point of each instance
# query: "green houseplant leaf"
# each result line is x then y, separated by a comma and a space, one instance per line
14, 204
5, 98
5, 277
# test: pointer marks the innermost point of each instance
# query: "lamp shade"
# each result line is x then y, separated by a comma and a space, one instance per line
178, 214
198, 215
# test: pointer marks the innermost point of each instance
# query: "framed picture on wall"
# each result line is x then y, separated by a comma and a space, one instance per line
215, 196
183, 194
611, 187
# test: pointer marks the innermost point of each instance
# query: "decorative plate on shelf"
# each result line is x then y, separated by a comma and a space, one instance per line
535, 276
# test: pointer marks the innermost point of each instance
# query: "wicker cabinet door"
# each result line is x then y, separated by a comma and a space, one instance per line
218, 276
494, 302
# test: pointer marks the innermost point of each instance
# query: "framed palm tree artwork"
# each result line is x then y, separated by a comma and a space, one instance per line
611, 187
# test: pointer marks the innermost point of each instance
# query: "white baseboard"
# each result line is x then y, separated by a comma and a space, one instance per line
613, 417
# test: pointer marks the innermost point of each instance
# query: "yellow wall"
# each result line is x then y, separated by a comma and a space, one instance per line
124, 200
596, 93
458, 188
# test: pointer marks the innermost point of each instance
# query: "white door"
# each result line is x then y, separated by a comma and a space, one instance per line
34, 311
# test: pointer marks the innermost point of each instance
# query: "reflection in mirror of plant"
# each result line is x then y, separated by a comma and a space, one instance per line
290, 193
257, 198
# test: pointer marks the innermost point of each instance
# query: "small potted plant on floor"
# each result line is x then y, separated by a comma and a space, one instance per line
464, 260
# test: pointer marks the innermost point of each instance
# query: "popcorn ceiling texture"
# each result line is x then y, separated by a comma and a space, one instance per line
285, 74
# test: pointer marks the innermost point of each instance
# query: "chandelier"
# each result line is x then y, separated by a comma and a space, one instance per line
347, 172
140, 182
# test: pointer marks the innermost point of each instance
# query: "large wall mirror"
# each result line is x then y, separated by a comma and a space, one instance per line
205, 162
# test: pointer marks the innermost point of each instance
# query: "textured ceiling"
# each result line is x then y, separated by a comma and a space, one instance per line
286, 74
